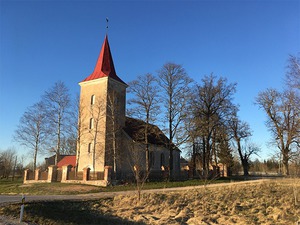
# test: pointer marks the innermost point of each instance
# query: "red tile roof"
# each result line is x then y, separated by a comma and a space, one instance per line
105, 65
67, 160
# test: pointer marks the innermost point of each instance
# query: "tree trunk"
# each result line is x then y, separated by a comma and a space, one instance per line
147, 145
114, 141
36, 148
34, 158
214, 151
115, 155
170, 146
204, 155
194, 159
94, 151
207, 156
243, 159
245, 167
14, 171
77, 156
58, 143
285, 162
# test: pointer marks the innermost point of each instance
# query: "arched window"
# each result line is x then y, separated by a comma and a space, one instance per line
162, 159
92, 99
152, 159
91, 123
89, 147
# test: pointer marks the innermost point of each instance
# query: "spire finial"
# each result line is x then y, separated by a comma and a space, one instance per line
106, 25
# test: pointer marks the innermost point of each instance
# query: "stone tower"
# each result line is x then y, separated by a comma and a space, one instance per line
101, 115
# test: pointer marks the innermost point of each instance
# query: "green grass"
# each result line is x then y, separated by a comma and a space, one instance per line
17, 187
9, 186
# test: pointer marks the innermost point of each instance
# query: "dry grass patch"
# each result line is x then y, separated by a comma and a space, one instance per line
270, 202
267, 202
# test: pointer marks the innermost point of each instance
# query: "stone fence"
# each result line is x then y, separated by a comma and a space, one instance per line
67, 174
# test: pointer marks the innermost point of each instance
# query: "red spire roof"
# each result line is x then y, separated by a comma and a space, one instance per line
105, 65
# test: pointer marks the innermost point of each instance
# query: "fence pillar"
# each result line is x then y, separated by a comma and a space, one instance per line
225, 172
64, 175
86, 174
25, 175
51, 173
37, 174
107, 173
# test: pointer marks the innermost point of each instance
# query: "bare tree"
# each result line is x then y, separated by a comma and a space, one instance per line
136, 160
68, 144
249, 149
77, 113
193, 142
175, 85
283, 120
145, 104
57, 101
241, 131
293, 81
211, 107
7, 161
32, 131
97, 112
293, 73
71, 141
114, 130
223, 150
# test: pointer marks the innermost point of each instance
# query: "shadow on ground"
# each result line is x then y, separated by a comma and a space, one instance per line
65, 212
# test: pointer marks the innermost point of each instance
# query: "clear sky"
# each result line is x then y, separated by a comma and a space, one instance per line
42, 42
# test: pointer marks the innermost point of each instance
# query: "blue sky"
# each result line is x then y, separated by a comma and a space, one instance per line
42, 42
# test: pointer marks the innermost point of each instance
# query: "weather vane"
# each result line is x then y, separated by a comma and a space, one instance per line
106, 24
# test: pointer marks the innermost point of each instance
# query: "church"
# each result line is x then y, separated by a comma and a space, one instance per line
106, 137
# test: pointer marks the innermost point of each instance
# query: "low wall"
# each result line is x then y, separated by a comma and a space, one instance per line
67, 175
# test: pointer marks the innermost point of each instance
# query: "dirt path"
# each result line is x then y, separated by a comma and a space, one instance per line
164, 190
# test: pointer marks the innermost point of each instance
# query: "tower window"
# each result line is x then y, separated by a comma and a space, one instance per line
91, 123
89, 147
92, 99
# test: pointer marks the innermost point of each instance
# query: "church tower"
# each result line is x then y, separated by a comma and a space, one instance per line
101, 115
